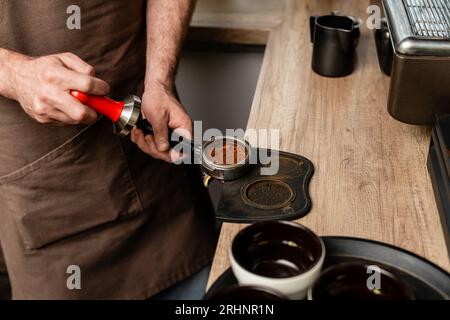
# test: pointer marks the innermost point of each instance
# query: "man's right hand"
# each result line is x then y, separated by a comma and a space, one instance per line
42, 86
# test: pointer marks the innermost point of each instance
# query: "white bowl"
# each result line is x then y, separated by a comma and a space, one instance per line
294, 287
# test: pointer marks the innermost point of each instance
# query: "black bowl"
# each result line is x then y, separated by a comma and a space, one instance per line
355, 281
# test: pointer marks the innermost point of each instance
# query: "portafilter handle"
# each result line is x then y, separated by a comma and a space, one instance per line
103, 105
126, 115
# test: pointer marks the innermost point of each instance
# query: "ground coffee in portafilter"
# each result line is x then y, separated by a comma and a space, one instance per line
227, 153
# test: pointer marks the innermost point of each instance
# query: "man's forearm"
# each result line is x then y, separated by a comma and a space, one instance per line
9, 61
5, 73
167, 25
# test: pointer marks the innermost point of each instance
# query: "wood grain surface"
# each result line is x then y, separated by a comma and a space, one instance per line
239, 14
371, 179
242, 22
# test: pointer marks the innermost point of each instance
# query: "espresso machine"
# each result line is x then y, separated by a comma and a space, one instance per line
413, 46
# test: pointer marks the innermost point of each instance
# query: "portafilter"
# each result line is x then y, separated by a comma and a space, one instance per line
212, 155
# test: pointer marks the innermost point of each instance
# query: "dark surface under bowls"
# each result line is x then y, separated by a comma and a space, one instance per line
426, 280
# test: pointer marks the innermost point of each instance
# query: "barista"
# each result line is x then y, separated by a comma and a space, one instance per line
74, 197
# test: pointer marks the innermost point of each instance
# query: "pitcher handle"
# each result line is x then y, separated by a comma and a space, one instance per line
356, 29
312, 26
357, 33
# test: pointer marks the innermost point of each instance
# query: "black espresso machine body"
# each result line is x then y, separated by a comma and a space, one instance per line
413, 47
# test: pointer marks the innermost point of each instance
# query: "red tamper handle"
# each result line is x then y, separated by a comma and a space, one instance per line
103, 105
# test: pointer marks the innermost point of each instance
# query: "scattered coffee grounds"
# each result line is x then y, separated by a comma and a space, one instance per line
227, 153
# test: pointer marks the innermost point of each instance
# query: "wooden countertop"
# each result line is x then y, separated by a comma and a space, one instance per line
371, 179
247, 22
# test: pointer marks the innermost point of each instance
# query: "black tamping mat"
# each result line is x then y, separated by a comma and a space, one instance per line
256, 197
426, 280
438, 164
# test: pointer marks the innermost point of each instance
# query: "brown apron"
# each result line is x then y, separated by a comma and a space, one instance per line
78, 195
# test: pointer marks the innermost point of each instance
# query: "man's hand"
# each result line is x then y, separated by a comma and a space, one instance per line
42, 87
161, 108
167, 24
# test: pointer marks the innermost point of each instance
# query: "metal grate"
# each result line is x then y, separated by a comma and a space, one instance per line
429, 18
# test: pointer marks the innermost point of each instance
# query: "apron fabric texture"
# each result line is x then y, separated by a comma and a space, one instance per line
78, 195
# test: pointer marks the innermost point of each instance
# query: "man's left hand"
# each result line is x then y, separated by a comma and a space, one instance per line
162, 109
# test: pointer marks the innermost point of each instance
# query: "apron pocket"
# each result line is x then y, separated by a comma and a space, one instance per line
81, 184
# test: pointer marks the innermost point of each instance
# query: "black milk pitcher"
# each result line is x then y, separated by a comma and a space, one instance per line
334, 39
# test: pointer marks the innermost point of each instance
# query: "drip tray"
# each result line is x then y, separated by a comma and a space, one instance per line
254, 197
